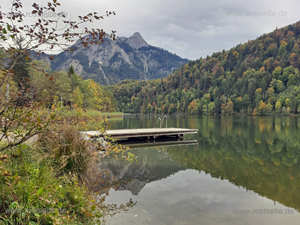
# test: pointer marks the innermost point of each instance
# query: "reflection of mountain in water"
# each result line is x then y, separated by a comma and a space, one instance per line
259, 154
152, 165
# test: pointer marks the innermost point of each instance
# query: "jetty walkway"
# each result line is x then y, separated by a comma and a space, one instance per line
150, 133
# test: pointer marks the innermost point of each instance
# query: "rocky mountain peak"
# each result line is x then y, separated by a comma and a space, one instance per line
136, 41
114, 61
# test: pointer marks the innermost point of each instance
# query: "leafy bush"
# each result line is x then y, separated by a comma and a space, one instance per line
31, 193
68, 152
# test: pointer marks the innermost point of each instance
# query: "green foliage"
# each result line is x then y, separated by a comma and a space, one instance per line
249, 111
269, 109
287, 103
34, 186
21, 67
204, 110
211, 108
78, 97
21, 117
68, 87
56, 174
277, 72
51, 175
278, 107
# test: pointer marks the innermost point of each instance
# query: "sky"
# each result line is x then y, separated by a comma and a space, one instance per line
189, 28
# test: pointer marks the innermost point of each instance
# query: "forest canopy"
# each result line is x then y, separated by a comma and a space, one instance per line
260, 77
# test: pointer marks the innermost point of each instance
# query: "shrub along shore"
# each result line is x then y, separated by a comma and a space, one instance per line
50, 181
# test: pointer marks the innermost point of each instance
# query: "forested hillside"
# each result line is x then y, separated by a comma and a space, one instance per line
260, 77
66, 86
69, 87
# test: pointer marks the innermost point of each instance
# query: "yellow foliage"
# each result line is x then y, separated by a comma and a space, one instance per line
262, 70
258, 141
236, 54
283, 43
262, 126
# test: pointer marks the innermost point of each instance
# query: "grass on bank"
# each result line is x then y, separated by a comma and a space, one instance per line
95, 114
50, 182
35, 179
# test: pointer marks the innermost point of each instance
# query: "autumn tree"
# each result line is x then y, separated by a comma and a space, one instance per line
292, 80
262, 110
204, 109
238, 104
278, 107
229, 107
277, 72
270, 95
172, 109
246, 101
258, 97
18, 40
192, 107
280, 86
211, 108
77, 97
287, 103
286, 73
269, 109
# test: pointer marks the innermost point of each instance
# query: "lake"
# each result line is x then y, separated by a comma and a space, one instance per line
243, 170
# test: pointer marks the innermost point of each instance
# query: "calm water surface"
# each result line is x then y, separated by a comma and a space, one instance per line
242, 171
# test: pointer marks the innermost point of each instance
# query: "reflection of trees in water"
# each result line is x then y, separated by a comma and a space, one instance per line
109, 210
103, 182
152, 165
260, 154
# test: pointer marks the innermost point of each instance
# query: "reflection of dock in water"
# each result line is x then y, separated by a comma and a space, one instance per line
158, 143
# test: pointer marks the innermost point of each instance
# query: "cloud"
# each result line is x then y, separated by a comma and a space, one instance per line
189, 28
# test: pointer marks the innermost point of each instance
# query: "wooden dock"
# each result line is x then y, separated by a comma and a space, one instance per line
150, 133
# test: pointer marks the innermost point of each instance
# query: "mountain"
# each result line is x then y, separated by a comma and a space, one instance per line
114, 61
260, 77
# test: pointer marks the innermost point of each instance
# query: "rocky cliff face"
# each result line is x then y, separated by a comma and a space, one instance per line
114, 61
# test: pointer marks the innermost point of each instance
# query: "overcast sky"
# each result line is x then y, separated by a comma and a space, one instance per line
189, 28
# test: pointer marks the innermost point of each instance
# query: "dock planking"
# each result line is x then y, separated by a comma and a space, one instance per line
145, 132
